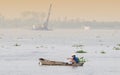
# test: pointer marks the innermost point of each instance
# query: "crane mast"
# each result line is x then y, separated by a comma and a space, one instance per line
45, 25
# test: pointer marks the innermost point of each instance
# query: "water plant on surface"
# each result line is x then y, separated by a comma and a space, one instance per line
16, 44
81, 51
118, 44
37, 46
102, 52
82, 60
77, 45
116, 48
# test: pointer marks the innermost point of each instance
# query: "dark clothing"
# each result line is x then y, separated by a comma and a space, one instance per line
76, 59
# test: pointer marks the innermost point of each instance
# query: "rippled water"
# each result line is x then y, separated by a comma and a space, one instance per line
54, 45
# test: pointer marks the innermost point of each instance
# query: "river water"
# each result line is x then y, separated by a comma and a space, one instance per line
58, 45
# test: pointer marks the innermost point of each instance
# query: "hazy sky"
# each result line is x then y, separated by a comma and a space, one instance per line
101, 10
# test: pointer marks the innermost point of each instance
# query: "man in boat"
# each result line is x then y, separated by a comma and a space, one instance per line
74, 59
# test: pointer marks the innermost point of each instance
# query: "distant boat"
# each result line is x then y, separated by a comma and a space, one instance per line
45, 25
57, 63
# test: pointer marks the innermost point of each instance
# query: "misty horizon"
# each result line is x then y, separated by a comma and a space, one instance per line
28, 19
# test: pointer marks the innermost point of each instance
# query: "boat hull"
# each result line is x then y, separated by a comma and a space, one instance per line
57, 63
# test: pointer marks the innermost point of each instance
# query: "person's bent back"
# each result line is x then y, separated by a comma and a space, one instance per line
76, 59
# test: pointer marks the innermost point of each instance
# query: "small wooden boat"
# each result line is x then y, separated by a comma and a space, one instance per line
57, 63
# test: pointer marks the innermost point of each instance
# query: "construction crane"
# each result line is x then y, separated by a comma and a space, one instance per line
45, 24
